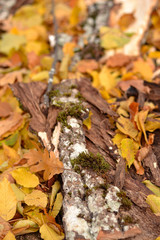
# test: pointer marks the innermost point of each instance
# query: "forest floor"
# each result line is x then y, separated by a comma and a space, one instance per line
87, 166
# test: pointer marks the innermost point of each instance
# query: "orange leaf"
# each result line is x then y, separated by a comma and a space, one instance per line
5, 109
87, 65
43, 161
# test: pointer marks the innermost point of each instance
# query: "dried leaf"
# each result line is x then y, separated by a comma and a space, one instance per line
112, 38
25, 178
87, 121
140, 119
5, 109
24, 226
36, 198
86, 65
11, 77
43, 161
118, 60
145, 70
152, 187
107, 79
4, 228
9, 236
10, 155
55, 189
118, 139
126, 126
57, 205
48, 233
8, 200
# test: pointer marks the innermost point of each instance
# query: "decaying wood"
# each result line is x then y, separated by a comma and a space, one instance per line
87, 216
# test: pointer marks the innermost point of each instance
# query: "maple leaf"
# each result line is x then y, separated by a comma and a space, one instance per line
43, 161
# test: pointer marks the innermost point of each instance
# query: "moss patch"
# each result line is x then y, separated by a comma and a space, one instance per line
126, 203
70, 109
91, 161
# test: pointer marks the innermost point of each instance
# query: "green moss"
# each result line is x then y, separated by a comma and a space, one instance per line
68, 94
124, 199
70, 194
87, 190
91, 161
72, 86
70, 109
54, 93
77, 169
79, 96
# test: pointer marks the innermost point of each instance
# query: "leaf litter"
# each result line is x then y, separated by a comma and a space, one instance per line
123, 78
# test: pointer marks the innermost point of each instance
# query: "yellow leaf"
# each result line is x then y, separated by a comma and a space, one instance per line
140, 118
68, 48
151, 126
95, 76
154, 203
63, 70
10, 155
126, 126
155, 54
38, 47
9, 236
36, 198
128, 150
11, 42
8, 200
43, 75
55, 188
152, 187
57, 205
87, 121
19, 194
158, 238
142, 67
107, 79
25, 225
74, 17
118, 139
48, 233
112, 38
25, 178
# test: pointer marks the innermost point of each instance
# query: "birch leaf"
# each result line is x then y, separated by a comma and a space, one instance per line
126, 126
36, 198
128, 150
152, 187
9, 236
55, 188
25, 178
8, 200
47, 233
57, 205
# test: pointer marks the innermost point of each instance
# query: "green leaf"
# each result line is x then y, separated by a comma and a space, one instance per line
152, 187
10, 141
11, 41
112, 38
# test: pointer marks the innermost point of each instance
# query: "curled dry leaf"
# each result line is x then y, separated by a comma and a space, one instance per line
4, 228
44, 161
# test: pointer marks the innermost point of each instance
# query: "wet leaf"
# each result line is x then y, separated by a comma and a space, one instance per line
25, 178
8, 200
36, 198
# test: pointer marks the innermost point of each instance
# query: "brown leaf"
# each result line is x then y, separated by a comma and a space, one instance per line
4, 228
5, 109
118, 60
11, 77
10, 124
33, 60
138, 84
44, 161
87, 65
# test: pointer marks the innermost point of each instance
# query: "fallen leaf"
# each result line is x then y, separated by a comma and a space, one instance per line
126, 126
11, 42
8, 200
33, 60
55, 188
87, 122
144, 69
9, 236
140, 119
86, 65
10, 155
36, 198
5, 109
25, 178
12, 77
152, 187
112, 38
43, 161
154, 203
118, 60
107, 79
126, 20
5, 227
57, 205
48, 233
118, 139
24, 226
128, 150
9, 125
